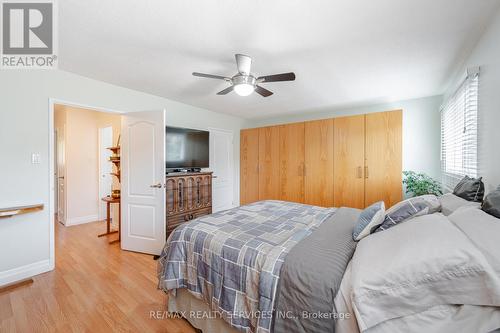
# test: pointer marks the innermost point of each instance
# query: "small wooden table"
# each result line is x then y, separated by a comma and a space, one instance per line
109, 201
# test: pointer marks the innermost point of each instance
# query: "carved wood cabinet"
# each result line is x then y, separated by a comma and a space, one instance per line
189, 195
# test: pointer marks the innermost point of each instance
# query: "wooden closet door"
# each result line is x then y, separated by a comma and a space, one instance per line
349, 161
319, 163
249, 162
383, 174
269, 163
292, 162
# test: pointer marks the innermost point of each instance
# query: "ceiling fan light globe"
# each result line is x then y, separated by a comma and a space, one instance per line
244, 89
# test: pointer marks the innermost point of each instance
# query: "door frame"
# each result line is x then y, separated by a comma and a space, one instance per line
52, 102
59, 136
56, 172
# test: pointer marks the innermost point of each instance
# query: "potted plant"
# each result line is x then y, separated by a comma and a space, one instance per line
417, 184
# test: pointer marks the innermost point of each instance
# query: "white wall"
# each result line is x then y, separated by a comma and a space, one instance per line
24, 128
486, 54
421, 129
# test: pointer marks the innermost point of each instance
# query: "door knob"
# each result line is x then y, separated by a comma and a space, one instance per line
156, 185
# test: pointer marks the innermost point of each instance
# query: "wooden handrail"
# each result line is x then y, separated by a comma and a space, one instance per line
12, 211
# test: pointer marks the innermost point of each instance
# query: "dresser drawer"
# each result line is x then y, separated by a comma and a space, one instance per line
201, 212
174, 221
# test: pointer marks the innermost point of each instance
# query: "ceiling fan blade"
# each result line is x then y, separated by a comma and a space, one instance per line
244, 63
225, 91
277, 77
210, 76
262, 91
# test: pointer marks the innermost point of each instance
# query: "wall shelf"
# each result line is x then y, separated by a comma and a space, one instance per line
115, 159
12, 211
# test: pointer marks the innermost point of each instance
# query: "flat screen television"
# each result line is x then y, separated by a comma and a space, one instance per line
186, 149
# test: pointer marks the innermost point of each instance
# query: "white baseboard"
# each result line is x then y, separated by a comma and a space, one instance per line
24, 272
82, 220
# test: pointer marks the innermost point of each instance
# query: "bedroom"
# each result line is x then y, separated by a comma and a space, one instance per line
349, 59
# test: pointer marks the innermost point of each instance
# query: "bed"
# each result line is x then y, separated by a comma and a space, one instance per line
275, 266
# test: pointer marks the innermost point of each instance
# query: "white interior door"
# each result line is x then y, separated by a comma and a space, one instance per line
105, 167
61, 174
143, 179
221, 163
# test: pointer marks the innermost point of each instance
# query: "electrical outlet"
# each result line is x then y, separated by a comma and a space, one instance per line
35, 158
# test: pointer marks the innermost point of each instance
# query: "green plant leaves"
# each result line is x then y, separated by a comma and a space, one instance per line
417, 184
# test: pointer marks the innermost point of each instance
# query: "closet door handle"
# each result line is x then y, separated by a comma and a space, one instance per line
359, 172
301, 169
366, 172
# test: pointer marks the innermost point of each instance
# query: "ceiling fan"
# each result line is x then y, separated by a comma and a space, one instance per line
244, 83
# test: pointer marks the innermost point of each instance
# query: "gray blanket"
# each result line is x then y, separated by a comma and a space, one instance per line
311, 274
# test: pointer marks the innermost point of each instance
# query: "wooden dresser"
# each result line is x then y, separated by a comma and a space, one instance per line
189, 195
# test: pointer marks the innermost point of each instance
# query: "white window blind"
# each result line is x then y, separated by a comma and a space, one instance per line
459, 124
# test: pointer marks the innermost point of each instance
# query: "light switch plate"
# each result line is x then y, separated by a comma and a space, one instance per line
35, 158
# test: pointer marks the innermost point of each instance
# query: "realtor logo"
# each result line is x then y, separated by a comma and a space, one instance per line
28, 34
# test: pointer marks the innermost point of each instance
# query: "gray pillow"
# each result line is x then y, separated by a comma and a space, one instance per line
368, 220
430, 200
470, 189
491, 203
403, 213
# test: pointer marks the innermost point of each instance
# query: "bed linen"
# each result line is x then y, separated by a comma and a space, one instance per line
437, 319
366, 299
184, 303
311, 276
232, 259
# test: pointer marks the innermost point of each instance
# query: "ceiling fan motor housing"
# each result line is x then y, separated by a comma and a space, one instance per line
244, 79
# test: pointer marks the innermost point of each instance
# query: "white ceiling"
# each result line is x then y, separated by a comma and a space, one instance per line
344, 52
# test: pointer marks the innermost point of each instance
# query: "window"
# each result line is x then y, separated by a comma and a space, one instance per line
459, 124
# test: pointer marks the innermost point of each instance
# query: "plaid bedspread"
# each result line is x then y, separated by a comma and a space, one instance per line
232, 259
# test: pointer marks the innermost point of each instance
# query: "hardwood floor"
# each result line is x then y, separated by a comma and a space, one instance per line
96, 287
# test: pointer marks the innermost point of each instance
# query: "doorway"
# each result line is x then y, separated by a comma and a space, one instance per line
142, 155
84, 162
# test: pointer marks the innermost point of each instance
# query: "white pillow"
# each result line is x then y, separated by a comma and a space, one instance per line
482, 229
417, 265
450, 203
